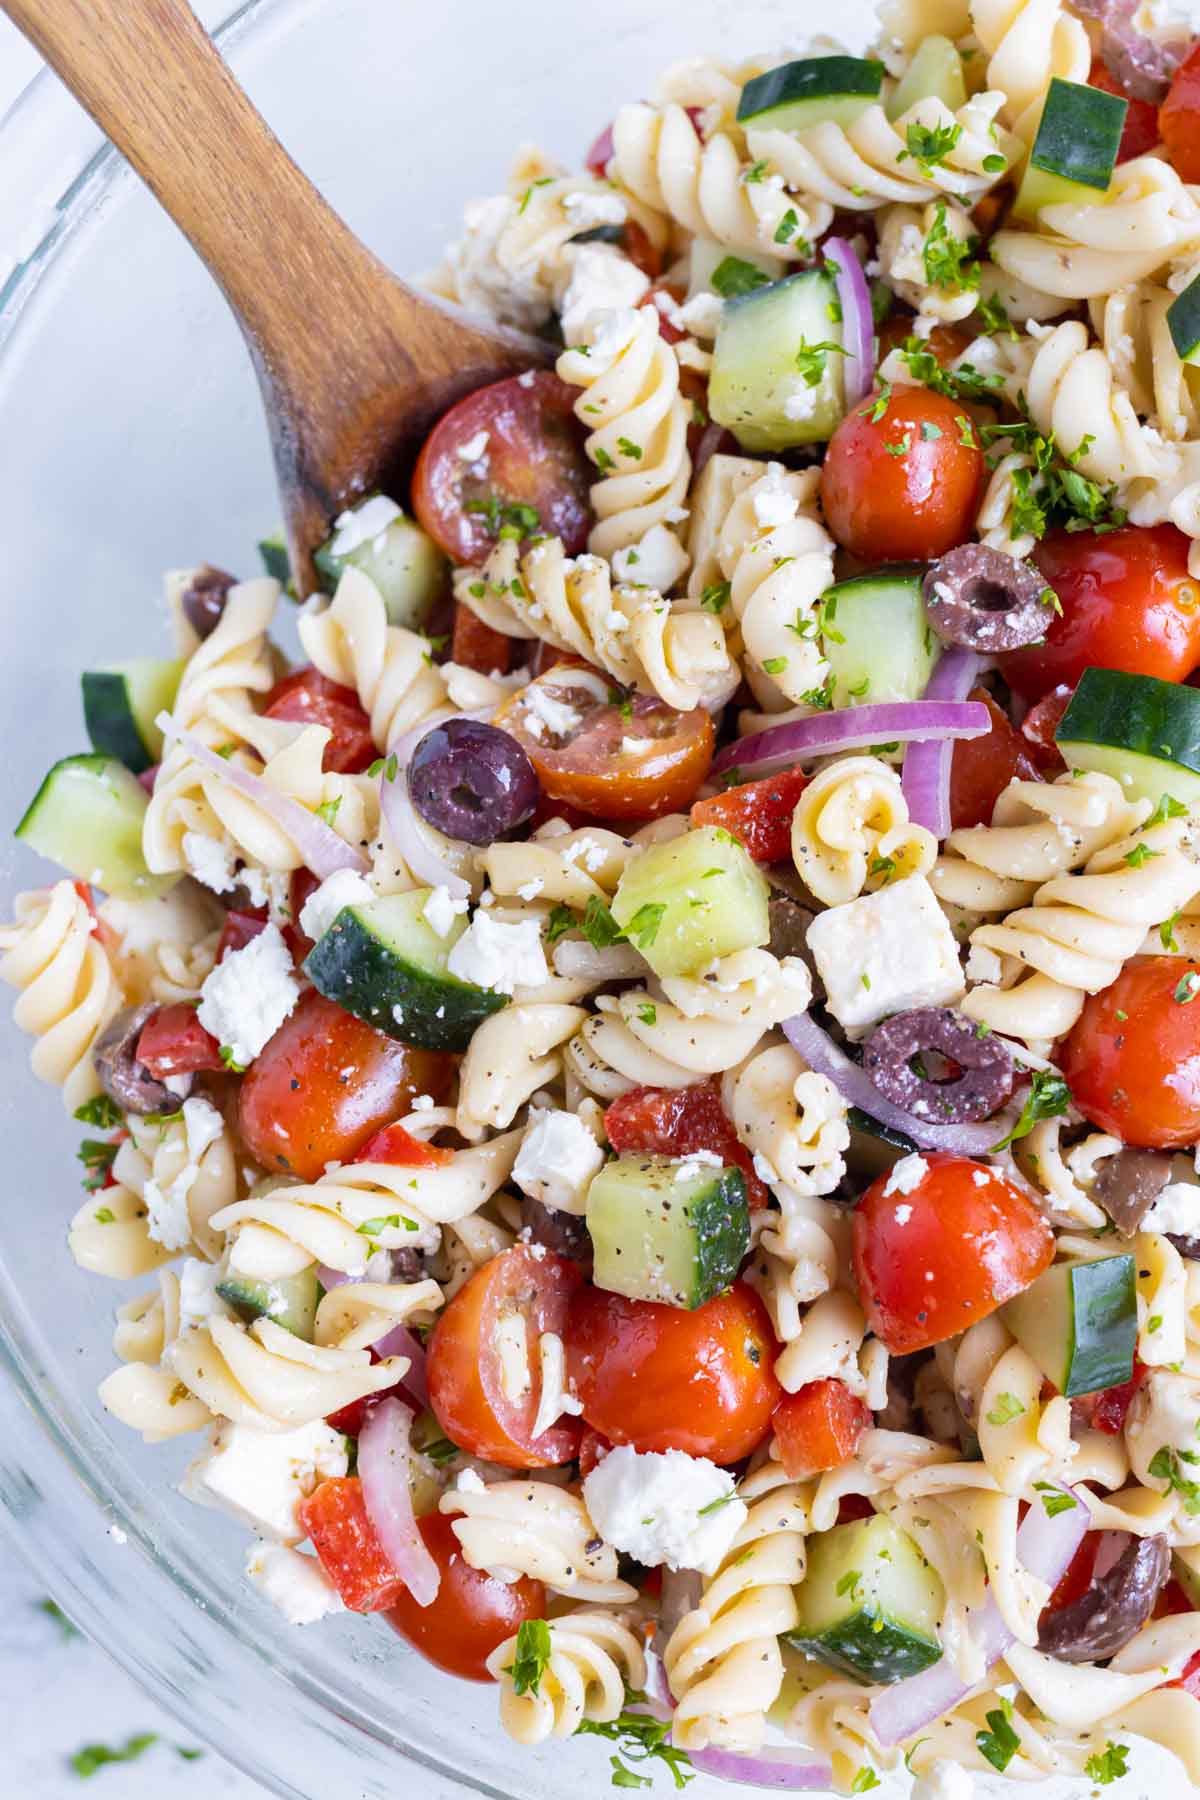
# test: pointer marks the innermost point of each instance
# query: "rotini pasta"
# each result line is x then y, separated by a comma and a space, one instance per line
593, 1658
851, 831
68, 992
540, 1531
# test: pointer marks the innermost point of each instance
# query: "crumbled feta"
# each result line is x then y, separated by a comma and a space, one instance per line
424, 1103
474, 448
669, 307
664, 1507
801, 402
557, 1160
442, 908
199, 1300
701, 315
558, 716
903, 1214
588, 210
345, 887
365, 524
529, 890
906, 1176
984, 965
262, 1476
1176, 1209
890, 951
774, 506
602, 282
504, 957
981, 1177
168, 1220
249, 994
527, 379
212, 860
269, 888
295, 1584
944, 1781
659, 561
468, 1481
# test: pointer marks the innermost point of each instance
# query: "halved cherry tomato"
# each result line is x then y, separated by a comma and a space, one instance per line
174, 1042
1106, 1410
1074, 1584
301, 888
335, 1517
981, 768
240, 929
477, 646
636, 761
947, 342
1179, 118
818, 1427
641, 250
395, 1145
759, 813
482, 1363
312, 699
1127, 602
325, 1083
473, 1612
1132, 1061
933, 1259
677, 1122
1141, 121
534, 463
852, 1507
1040, 724
672, 295
905, 485
593, 1448
660, 1378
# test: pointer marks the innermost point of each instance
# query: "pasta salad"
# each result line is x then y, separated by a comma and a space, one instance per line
651, 1080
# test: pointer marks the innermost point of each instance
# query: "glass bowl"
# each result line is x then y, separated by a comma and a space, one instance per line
133, 442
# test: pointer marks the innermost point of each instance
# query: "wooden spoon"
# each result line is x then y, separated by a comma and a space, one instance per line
354, 366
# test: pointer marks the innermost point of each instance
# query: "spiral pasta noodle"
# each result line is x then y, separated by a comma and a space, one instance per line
1131, 326
183, 1170
389, 668
1028, 43
541, 1531
594, 1658
790, 1117
904, 232
851, 831
66, 986
267, 1377
511, 1056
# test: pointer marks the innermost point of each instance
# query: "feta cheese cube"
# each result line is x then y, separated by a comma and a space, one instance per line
504, 957
557, 1160
295, 1584
662, 1507
1176, 1209
168, 1220
659, 561
345, 887
442, 908
701, 315
212, 860
247, 997
365, 524
907, 1175
260, 1477
886, 952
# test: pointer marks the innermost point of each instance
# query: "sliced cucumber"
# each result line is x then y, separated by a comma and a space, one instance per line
877, 637
1079, 1324
291, 1302
777, 376
1075, 150
935, 73
1183, 319
810, 91
706, 256
1185, 1566
121, 703
383, 962
698, 896
1142, 731
276, 562
406, 566
668, 1230
869, 1603
87, 816
873, 1148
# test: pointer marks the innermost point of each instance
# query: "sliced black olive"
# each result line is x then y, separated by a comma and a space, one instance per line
472, 781
561, 1232
986, 600
1128, 1184
123, 1078
789, 923
1188, 1247
1113, 1610
898, 1054
203, 600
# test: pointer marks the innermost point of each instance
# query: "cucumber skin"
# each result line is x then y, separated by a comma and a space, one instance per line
358, 973
859, 1650
110, 724
1138, 714
717, 1216
260, 1300
860, 1632
866, 619
1096, 1303
751, 381
1079, 134
1183, 321
125, 848
807, 83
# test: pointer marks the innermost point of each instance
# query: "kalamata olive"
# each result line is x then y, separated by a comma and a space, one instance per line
1188, 1247
559, 1231
203, 600
987, 1073
986, 600
123, 1078
1113, 1610
1128, 1184
472, 781
789, 923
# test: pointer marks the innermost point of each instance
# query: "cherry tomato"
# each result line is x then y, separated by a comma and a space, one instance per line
641, 250
324, 1083
818, 1427
240, 929
932, 1260
1127, 603
635, 761
1040, 724
1106, 1410
660, 1378
981, 768
1074, 1584
593, 1448
502, 1309
395, 1145
301, 889
1132, 1060
174, 1042
759, 814
473, 1613
533, 474
904, 486
1179, 118
677, 1122
335, 1517
477, 646
947, 342
1141, 121
312, 699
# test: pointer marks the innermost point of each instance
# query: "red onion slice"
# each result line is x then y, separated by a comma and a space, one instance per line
384, 1455
926, 774
794, 1769
321, 849
858, 321
422, 857
1045, 1547
399, 1341
857, 1089
889, 722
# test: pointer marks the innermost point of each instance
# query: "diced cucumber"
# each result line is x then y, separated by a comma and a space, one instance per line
869, 1603
935, 73
706, 256
698, 896
777, 376
121, 703
1075, 150
873, 1148
276, 562
810, 91
668, 1230
290, 1302
384, 962
87, 816
1185, 1566
1142, 731
877, 637
1183, 319
406, 566
1079, 1324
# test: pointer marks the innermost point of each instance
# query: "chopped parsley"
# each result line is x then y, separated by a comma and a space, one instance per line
327, 812
864, 1780
715, 597
1166, 932
775, 665
950, 261
1167, 1465
230, 1061
787, 228
393, 1221
643, 927
96, 1155
533, 1656
93, 1757
929, 146
849, 1583
994, 319
505, 518
733, 276
54, 1611
101, 1112
1054, 1500
879, 405
599, 927
1048, 1096
965, 382
999, 1744
1141, 853
561, 920
647, 1013
1168, 808
386, 766
639, 1738
810, 359
1108, 1765
631, 450
1007, 1408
